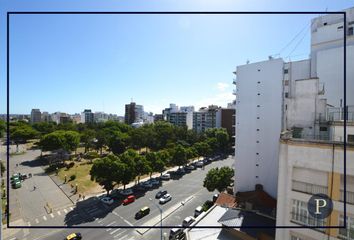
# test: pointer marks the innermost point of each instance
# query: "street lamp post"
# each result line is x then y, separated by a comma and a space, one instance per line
160, 215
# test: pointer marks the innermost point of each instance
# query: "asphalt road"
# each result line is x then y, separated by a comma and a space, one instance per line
92, 212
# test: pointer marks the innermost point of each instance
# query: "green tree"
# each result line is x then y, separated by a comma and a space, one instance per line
87, 137
218, 178
142, 166
223, 139
118, 142
66, 140
22, 133
106, 171
101, 140
179, 157
129, 158
164, 156
213, 145
45, 127
191, 153
2, 128
155, 161
203, 149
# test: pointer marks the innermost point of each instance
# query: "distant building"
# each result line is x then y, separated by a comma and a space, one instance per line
148, 117
36, 116
100, 117
133, 113
46, 117
87, 116
158, 117
179, 116
205, 118
225, 118
76, 118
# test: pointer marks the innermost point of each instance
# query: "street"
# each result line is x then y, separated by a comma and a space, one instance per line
92, 212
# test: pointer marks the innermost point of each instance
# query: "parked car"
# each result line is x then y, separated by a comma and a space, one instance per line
74, 236
147, 184
176, 233
189, 167
154, 181
142, 212
107, 200
129, 199
166, 198
199, 163
198, 211
206, 161
166, 176
16, 184
180, 171
160, 194
215, 196
127, 192
139, 187
188, 221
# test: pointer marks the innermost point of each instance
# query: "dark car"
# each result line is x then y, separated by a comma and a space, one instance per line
142, 212
160, 194
180, 171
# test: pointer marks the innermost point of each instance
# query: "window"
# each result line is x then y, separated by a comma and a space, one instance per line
286, 71
258, 105
286, 82
324, 24
350, 138
348, 232
258, 94
301, 215
323, 129
340, 27
350, 31
258, 82
286, 95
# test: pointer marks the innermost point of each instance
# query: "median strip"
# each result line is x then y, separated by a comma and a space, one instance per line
156, 220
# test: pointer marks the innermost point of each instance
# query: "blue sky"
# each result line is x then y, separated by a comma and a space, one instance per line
71, 62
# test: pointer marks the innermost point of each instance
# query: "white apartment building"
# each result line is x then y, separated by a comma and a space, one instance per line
273, 96
36, 116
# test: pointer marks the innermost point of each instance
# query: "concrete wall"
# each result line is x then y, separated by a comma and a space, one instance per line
258, 125
337, 132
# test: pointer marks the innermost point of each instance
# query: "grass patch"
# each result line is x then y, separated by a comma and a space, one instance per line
82, 179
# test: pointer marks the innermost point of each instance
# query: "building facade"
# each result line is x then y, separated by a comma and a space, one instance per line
87, 116
36, 116
205, 118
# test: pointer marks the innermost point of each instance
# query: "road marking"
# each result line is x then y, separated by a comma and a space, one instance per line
44, 218
114, 231
71, 208
111, 223
100, 220
66, 211
126, 221
59, 213
52, 215
37, 221
29, 224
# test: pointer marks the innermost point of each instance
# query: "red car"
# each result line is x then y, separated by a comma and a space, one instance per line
129, 199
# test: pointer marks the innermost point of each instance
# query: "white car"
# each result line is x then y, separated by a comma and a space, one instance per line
107, 200
126, 192
166, 176
167, 197
188, 221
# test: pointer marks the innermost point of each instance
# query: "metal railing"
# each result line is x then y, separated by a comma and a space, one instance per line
349, 197
308, 188
308, 220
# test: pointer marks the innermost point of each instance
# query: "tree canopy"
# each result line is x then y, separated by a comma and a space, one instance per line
218, 178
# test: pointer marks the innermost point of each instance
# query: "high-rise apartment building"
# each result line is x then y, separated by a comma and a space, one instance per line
133, 113
87, 116
36, 116
182, 116
205, 118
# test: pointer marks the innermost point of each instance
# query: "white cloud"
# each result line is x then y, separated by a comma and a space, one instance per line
222, 86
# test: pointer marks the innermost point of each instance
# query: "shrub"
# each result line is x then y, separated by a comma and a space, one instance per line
70, 165
207, 205
72, 177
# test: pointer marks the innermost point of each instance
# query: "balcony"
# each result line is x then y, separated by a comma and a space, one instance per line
350, 197
308, 188
234, 81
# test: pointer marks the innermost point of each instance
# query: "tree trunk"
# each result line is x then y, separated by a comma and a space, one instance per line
101, 151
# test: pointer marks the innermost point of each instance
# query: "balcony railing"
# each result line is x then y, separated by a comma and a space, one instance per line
308, 188
307, 220
349, 197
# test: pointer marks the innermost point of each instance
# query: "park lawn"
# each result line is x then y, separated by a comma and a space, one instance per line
83, 177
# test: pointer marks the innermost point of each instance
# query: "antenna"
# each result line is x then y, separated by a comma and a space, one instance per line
248, 61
